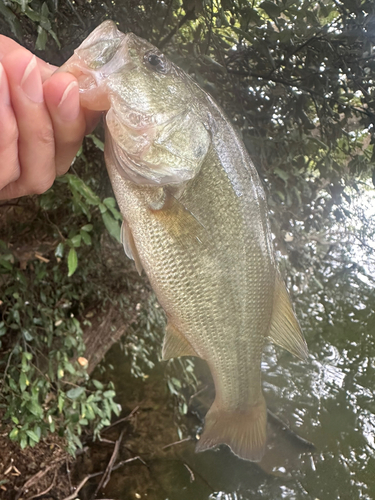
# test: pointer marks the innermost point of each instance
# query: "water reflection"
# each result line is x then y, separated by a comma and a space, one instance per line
327, 401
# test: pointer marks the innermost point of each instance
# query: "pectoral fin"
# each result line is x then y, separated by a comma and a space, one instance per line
127, 241
179, 222
175, 344
285, 330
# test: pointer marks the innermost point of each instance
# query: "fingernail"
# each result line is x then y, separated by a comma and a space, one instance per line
31, 82
4, 91
69, 103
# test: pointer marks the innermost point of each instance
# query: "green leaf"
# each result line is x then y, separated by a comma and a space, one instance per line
34, 408
271, 9
87, 228
60, 402
23, 382
12, 20
13, 435
76, 240
33, 436
41, 41
75, 393
57, 41
72, 261
112, 225
27, 335
38, 432
6, 264
86, 237
115, 408
59, 252
98, 143
97, 384
109, 202
282, 174
70, 368
109, 394
90, 415
77, 184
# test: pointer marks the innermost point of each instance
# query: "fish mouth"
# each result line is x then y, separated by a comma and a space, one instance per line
92, 95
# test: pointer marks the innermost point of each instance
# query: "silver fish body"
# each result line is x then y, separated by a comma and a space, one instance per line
195, 219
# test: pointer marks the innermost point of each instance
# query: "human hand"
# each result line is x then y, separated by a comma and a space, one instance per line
41, 122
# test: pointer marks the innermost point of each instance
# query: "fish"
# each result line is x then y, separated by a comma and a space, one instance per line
195, 219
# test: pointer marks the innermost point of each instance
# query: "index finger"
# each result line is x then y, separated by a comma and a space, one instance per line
8, 45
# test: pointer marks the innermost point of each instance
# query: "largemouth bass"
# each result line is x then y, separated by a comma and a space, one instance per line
195, 219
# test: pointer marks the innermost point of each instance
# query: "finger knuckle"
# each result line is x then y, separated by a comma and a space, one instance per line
45, 137
43, 185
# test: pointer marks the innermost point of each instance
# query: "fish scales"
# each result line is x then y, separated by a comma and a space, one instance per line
195, 219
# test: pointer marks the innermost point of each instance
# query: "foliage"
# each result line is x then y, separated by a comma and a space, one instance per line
36, 12
144, 338
45, 386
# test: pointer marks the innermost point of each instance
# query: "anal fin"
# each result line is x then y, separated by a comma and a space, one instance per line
175, 344
130, 249
285, 330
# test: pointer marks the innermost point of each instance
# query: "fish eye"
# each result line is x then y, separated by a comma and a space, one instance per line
157, 62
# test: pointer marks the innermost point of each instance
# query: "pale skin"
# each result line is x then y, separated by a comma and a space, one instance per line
42, 124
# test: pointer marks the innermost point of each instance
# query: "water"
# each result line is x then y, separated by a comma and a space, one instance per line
328, 401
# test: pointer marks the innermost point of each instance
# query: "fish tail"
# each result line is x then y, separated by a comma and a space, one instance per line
243, 431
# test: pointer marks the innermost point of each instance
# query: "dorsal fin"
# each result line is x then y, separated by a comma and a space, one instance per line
285, 330
175, 344
127, 241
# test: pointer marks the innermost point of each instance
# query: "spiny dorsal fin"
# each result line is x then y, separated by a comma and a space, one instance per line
285, 330
127, 241
175, 344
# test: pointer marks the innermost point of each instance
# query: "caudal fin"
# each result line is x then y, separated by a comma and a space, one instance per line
243, 431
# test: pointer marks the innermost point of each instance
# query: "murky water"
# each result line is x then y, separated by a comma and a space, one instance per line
328, 401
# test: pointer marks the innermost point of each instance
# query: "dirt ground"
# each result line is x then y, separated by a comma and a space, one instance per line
39, 472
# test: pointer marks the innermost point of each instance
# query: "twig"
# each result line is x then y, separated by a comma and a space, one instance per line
107, 474
73, 496
69, 475
192, 477
35, 478
131, 414
123, 462
177, 442
47, 490
289, 432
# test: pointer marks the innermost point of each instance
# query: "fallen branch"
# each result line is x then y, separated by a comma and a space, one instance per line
107, 474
